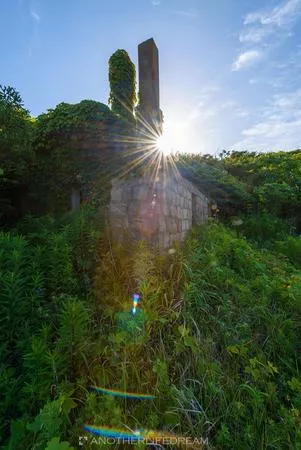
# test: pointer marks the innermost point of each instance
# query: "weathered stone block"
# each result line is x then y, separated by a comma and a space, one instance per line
140, 192
166, 209
116, 195
169, 195
126, 194
171, 225
118, 209
133, 211
166, 240
185, 225
162, 226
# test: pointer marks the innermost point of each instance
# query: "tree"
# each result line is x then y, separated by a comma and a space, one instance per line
9, 96
16, 153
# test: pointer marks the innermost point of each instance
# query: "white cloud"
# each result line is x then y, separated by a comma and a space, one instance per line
271, 135
227, 104
156, 2
279, 127
266, 23
201, 112
246, 59
206, 92
208, 108
290, 100
241, 113
254, 34
35, 15
280, 15
202, 108
190, 14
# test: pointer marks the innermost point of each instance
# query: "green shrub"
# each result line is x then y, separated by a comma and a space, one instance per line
290, 247
263, 228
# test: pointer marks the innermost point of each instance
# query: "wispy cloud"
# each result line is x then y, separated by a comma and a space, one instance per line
36, 19
254, 35
279, 16
279, 127
156, 2
241, 113
203, 107
266, 28
271, 136
209, 107
246, 59
35, 15
261, 24
201, 111
189, 14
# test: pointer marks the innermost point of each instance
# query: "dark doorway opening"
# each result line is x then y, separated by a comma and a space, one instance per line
76, 199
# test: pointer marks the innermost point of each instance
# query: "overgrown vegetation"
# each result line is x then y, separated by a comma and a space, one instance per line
16, 154
122, 78
67, 143
219, 349
218, 338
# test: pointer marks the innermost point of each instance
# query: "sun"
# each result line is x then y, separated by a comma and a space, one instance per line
164, 145
173, 138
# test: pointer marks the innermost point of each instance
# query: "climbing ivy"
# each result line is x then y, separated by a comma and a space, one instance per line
66, 118
122, 78
66, 140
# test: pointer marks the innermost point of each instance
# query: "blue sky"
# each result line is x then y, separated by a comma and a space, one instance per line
230, 70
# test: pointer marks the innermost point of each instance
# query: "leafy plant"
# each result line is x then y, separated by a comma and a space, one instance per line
122, 78
16, 155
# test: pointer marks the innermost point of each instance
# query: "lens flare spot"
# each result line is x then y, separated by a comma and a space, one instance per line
126, 394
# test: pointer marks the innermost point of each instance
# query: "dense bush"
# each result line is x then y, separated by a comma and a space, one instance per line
16, 155
242, 182
41, 322
210, 175
274, 178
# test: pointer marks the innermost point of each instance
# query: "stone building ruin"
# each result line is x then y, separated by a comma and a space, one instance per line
162, 208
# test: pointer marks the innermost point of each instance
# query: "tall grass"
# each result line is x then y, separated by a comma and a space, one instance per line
217, 343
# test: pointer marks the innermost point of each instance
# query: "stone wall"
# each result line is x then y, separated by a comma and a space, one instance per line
98, 153
161, 212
